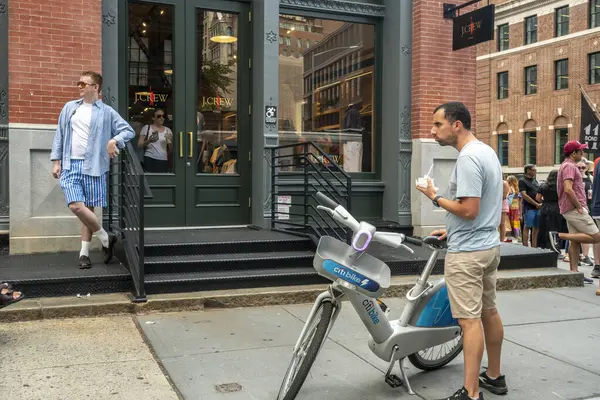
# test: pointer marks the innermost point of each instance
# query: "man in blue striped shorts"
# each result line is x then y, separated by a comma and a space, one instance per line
88, 135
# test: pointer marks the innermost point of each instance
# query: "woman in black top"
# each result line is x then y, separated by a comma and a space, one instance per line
550, 217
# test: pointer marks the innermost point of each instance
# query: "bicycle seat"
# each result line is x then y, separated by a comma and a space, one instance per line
435, 242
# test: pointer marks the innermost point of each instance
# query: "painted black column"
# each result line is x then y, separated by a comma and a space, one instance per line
4, 184
396, 124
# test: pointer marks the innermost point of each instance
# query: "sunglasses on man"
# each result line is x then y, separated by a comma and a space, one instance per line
83, 85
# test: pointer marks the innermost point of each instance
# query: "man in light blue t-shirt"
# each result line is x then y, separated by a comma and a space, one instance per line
474, 206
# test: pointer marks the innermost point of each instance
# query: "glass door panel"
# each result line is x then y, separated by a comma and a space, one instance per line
217, 74
153, 109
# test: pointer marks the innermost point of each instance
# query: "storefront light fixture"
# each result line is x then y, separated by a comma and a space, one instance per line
162, 12
168, 72
224, 36
143, 23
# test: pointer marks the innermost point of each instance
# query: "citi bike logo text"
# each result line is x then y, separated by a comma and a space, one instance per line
351, 276
370, 308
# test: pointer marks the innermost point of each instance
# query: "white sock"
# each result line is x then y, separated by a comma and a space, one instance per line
85, 249
103, 236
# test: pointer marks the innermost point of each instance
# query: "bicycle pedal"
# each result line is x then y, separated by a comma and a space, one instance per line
394, 381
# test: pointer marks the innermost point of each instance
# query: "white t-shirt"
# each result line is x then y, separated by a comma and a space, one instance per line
80, 124
157, 150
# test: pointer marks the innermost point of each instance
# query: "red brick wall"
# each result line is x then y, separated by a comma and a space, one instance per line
50, 43
438, 73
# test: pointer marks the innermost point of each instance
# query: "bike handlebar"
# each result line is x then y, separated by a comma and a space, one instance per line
413, 241
340, 214
326, 201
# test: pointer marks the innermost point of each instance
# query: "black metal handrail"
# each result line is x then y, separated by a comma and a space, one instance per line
128, 188
306, 170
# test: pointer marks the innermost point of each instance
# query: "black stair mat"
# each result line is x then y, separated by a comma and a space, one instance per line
238, 257
213, 235
57, 267
226, 275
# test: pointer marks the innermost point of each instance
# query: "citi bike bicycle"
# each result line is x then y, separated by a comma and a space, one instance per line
426, 333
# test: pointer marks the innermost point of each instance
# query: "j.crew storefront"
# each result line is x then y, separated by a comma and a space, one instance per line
213, 67
210, 86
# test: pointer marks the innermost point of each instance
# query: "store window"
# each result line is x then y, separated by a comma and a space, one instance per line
502, 85
594, 63
531, 80
561, 137
561, 19
327, 91
150, 84
530, 147
503, 149
594, 13
531, 27
562, 74
503, 38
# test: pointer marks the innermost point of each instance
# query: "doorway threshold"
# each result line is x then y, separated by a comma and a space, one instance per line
190, 228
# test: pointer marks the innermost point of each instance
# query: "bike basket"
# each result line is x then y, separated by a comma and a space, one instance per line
335, 260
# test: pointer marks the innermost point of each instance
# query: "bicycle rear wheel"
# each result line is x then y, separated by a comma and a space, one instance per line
436, 357
307, 351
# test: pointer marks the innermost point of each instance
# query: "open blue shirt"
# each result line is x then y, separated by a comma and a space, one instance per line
106, 124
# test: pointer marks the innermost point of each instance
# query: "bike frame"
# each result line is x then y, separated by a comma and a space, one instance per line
426, 320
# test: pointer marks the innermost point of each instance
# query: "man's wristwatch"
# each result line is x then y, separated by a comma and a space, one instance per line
435, 200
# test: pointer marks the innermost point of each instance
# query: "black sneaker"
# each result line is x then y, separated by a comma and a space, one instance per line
462, 394
84, 262
596, 272
108, 251
496, 386
554, 241
586, 261
587, 280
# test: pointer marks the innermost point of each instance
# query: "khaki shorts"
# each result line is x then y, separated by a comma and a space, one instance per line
471, 281
580, 223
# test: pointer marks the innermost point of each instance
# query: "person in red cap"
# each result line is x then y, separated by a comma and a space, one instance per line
572, 201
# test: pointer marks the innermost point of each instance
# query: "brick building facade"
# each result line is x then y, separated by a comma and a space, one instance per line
50, 43
530, 120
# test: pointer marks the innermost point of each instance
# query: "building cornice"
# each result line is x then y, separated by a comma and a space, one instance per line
514, 7
518, 6
340, 6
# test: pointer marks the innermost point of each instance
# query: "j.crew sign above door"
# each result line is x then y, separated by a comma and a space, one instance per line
472, 28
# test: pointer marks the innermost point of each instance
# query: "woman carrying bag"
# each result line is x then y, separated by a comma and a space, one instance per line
156, 140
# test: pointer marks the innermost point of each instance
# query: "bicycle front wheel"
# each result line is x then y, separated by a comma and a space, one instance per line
306, 353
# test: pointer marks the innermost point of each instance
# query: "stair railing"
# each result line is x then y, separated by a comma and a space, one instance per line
293, 201
127, 189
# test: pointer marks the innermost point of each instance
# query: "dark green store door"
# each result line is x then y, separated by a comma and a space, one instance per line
189, 99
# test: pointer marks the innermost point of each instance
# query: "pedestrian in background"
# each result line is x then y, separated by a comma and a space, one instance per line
514, 206
505, 209
595, 211
528, 187
584, 257
550, 218
572, 201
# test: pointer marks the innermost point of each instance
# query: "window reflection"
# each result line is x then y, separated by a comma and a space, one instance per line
217, 88
326, 89
150, 96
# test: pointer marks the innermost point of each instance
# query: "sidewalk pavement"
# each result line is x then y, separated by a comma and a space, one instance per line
91, 358
241, 354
